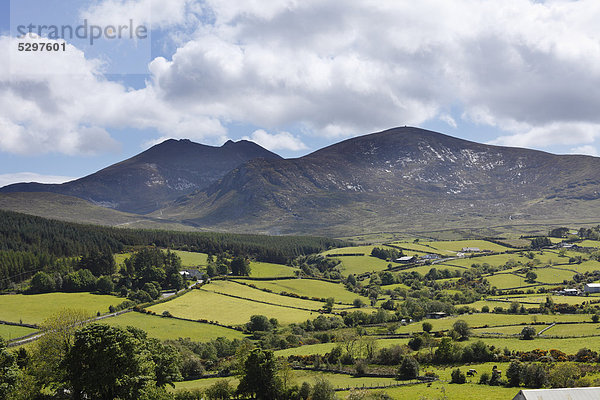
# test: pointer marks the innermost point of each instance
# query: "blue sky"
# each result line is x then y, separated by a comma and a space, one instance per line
294, 76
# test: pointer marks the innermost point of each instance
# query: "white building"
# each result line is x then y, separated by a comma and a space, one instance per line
592, 288
585, 393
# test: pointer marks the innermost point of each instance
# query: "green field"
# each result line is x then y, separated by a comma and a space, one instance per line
9, 332
323, 348
191, 259
442, 390
34, 309
202, 304
552, 275
506, 330
236, 289
569, 345
311, 288
188, 258
490, 319
458, 245
506, 280
574, 330
170, 328
269, 270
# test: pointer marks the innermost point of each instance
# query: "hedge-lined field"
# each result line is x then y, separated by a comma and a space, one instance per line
171, 328
202, 304
8, 332
311, 288
34, 309
248, 292
270, 270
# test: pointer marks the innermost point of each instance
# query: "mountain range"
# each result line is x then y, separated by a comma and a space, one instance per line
402, 179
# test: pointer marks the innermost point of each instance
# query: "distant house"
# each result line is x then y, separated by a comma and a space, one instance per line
569, 292
436, 315
471, 250
592, 288
405, 259
430, 257
584, 393
191, 274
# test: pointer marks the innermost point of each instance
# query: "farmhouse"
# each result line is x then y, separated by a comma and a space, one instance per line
192, 274
586, 393
405, 259
471, 250
436, 315
592, 288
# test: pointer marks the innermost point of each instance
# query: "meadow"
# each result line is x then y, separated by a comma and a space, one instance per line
34, 309
170, 328
270, 270
310, 288
204, 304
9, 332
237, 289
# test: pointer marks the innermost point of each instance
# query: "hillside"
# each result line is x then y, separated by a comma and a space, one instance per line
151, 179
403, 179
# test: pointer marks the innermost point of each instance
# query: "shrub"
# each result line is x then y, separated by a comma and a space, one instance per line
457, 376
528, 333
409, 368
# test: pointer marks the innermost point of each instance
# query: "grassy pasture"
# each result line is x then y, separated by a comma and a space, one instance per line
322, 348
458, 245
574, 330
495, 260
191, 259
201, 304
8, 332
424, 269
552, 275
491, 320
236, 289
201, 384
269, 270
506, 280
34, 309
361, 264
442, 390
568, 345
507, 330
311, 288
170, 328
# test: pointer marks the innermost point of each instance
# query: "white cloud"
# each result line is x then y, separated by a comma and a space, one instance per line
344, 68
447, 118
154, 13
334, 69
585, 150
277, 141
552, 134
18, 177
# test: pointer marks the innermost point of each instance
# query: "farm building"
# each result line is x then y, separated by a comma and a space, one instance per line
585, 393
404, 260
193, 274
436, 315
470, 250
592, 288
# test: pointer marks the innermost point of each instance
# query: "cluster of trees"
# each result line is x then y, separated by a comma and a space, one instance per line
385, 253
143, 277
316, 265
29, 244
222, 265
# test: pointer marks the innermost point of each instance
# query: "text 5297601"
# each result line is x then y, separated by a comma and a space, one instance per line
42, 46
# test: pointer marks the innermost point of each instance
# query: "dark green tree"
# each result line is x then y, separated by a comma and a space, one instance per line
409, 368
461, 327
259, 378
9, 371
528, 333
513, 373
240, 266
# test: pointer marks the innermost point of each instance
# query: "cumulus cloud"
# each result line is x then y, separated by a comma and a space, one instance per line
154, 13
18, 177
277, 141
347, 68
333, 69
587, 150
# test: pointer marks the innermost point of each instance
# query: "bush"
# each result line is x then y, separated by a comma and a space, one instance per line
484, 378
409, 368
457, 376
513, 373
528, 333
427, 327
416, 342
